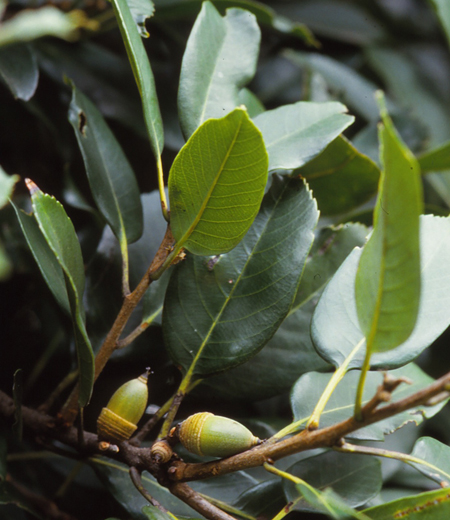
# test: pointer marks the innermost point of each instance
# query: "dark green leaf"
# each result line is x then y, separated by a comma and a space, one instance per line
341, 178
216, 184
60, 235
141, 11
387, 286
355, 478
335, 330
18, 68
295, 134
309, 388
142, 74
218, 314
7, 183
111, 178
263, 500
436, 160
433, 505
211, 76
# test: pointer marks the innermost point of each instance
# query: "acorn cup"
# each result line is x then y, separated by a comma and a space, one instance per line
211, 435
118, 420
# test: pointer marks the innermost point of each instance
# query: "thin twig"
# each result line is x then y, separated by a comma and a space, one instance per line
135, 476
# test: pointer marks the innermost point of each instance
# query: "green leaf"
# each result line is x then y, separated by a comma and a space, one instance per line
387, 286
341, 178
31, 24
263, 500
435, 160
216, 184
141, 10
335, 329
442, 8
436, 454
60, 235
308, 389
142, 74
45, 258
218, 314
110, 175
153, 513
355, 478
433, 505
295, 134
251, 102
18, 68
7, 183
211, 76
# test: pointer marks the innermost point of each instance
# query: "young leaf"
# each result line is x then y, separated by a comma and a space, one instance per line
335, 329
111, 178
219, 313
216, 184
341, 178
220, 58
295, 134
142, 74
387, 286
59, 233
433, 505
18, 68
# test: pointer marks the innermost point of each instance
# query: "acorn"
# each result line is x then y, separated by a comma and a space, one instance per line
211, 435
118, 421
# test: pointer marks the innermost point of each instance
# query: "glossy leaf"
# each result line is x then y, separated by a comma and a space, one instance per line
435, 160
290, 352
355, 478
216, 184
433, 505
60, 235
295, 134
19, 70
387, 286
142, 74
110, 175
335, 329
436, 454
141, 10
341, 178
31, 24
218, 314
7, 183
211, 77
308, 389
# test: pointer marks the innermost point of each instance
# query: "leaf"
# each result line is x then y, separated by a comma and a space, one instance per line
218, 315
7, 183
308, 389
142, 74
335, 329
263, 500
433, 505
216, 184
341, 177
443, 11
153, 513
18, 68
251, 102
141, 10
295, 134
387, 286
30, 24
435, 160
110, 175
211, 75
60, 235
45, 258
436, 454
355, 478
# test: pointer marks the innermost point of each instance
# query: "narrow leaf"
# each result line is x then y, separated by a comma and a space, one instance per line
60, 235
436, 160
18, 68
335, 328
211, 75
216, 184
387, 287
220, 312
295, 134
142, 74
341, 177
110, 175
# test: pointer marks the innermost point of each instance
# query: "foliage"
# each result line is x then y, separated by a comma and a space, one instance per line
222, 191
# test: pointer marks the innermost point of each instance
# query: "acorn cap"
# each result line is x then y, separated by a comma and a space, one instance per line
114, 428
